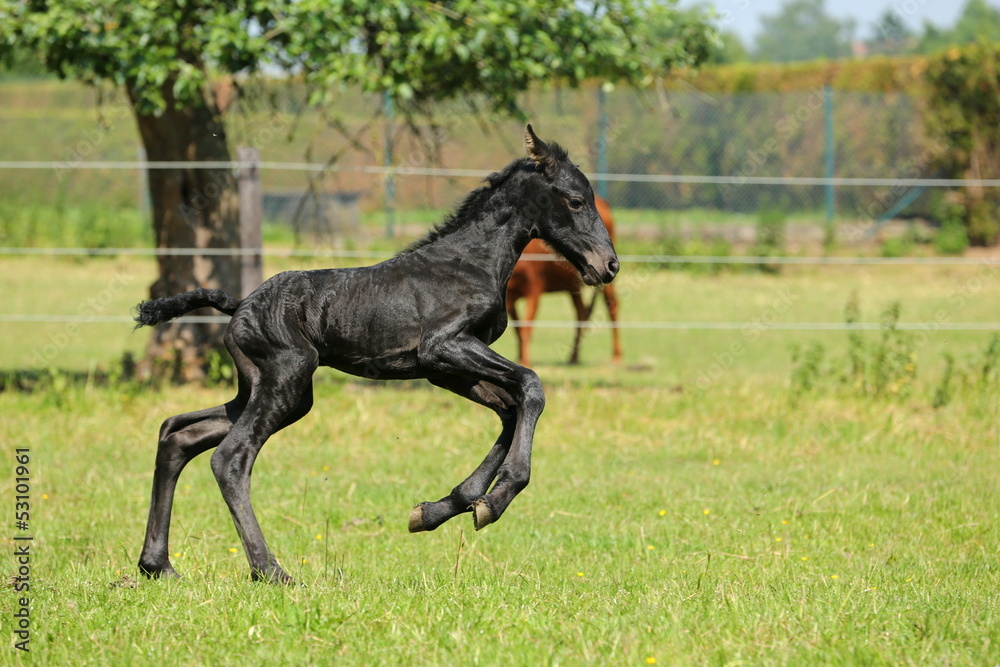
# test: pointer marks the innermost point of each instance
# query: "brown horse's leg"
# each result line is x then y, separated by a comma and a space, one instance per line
513, 317
612, 300
582, 315
181, 439
524, 332
428, 516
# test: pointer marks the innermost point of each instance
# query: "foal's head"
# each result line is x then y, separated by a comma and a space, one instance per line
569, 221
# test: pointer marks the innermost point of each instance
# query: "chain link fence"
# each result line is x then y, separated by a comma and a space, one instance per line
679, 162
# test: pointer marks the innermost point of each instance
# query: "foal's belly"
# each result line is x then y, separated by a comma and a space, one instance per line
392, 367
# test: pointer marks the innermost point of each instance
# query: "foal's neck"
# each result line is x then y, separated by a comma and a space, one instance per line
492, 238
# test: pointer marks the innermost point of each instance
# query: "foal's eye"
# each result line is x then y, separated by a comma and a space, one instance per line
576, 204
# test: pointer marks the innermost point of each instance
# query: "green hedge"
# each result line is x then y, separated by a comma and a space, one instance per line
877, 74
964, 115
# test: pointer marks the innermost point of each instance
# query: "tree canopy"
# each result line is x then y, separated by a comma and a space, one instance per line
166, 53
417, 52
802, 30
891, 35
979, 21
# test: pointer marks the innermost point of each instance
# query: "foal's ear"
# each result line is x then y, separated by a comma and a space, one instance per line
539, 151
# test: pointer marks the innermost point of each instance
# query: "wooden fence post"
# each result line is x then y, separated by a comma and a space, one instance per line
251, 219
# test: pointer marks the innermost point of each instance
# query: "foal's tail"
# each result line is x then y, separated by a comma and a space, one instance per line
156, 311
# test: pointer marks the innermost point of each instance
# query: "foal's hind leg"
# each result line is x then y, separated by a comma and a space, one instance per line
281, 395
428, 516
181, 439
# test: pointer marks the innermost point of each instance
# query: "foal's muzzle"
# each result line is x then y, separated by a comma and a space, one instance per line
601, 271
611, 270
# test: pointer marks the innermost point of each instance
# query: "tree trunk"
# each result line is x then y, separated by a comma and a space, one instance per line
192, 208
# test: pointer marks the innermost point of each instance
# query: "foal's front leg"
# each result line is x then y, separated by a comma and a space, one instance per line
469, 357
428, 516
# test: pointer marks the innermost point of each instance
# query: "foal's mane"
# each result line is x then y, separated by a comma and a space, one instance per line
475, 200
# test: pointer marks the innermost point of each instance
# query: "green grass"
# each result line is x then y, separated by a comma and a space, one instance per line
693, 521
687, 528
101, 226
78, 226
112, 286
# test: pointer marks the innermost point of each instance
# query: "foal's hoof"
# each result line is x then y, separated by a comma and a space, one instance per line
159, 572
417, 519
278, 576
482, 515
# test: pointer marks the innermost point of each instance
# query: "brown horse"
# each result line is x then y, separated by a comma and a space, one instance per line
532, 278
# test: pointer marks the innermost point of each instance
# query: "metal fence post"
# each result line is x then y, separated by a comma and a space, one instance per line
602, 140
251, 200
390, 183
829, 150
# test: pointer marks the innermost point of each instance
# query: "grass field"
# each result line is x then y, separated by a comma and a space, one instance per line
686, 508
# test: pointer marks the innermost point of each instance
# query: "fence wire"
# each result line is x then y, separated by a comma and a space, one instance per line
671, 164
670, 158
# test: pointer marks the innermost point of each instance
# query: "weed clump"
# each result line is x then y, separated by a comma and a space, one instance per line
885, 366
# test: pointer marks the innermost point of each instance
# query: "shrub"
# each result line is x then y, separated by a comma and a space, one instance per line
963, 106
951, 239
899, 246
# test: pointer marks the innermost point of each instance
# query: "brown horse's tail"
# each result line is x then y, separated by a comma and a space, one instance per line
156, 311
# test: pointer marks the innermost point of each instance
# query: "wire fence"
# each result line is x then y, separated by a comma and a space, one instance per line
570, 324
751, 260
675, 163
666, 159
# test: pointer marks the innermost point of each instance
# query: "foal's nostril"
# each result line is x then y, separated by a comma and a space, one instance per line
613, 267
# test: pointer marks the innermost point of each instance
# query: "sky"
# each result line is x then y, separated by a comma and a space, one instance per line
743, 16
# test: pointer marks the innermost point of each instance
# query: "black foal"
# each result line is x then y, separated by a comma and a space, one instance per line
430, 312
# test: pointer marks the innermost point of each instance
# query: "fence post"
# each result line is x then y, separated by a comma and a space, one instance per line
602, 140
251, 214
390, 183
829, 148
